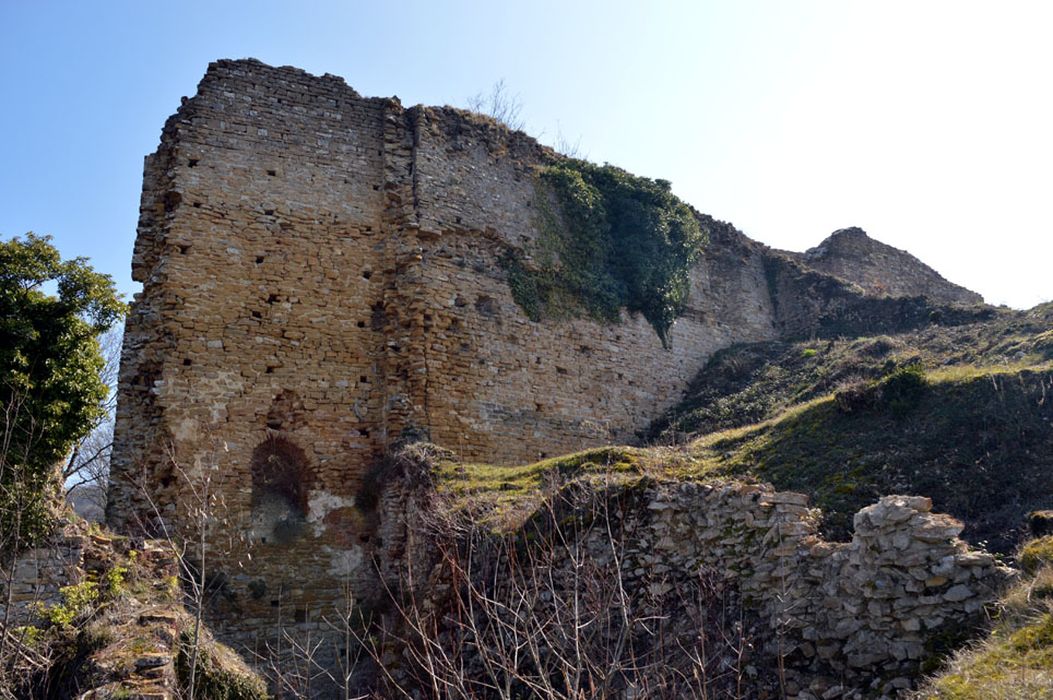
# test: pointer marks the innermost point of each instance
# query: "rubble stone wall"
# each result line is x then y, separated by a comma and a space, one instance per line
37, 575
860, 614
882, 270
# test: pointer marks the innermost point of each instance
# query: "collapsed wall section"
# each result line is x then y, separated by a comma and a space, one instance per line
880, 269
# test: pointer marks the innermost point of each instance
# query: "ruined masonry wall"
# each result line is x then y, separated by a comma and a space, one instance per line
254, 345
37, 574
320, 280
881, 269
855, 611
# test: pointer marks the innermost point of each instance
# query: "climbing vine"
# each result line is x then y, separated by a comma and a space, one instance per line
608, 240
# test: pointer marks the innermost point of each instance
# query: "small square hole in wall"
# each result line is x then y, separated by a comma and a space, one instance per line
365, 433
257, 314
361, 324
187, 362
366, 274
192, 162
183, 249
272, 299
270, 369
363, 379
259, 259
274, 603
268, 212
197, 205
300, 615
272, 173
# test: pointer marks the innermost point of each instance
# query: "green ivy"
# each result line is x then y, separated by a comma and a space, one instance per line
612, 240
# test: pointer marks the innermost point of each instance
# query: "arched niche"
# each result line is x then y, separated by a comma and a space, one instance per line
280, 484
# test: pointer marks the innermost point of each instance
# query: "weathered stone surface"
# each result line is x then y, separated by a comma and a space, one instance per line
321, 281
881, 269
848, 607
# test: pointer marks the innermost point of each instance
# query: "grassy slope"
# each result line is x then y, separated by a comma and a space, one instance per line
1016, 659
750, 383
978, 441
977, 436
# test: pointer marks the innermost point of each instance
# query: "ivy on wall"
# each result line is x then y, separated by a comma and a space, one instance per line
608, 240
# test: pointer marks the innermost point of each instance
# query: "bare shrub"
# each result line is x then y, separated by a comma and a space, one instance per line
499, 104
555, 610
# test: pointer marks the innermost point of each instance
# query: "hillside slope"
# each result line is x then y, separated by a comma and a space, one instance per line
960, 414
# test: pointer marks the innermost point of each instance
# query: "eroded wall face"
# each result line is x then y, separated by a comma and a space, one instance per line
321, 279
505, 389
251, 387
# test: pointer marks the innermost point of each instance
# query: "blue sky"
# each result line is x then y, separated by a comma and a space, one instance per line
926, 123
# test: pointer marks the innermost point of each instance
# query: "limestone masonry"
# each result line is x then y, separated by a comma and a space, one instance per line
320, 281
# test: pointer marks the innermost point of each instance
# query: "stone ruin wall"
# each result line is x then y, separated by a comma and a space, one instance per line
880, 269
858, 616
320, 280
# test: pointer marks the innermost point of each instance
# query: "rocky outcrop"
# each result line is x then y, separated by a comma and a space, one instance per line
95, 616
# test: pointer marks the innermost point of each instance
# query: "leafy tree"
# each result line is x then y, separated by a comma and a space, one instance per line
52, 312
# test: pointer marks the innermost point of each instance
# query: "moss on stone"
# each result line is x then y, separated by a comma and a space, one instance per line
220, 673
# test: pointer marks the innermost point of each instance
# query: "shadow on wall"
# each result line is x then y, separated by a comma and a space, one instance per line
280, 484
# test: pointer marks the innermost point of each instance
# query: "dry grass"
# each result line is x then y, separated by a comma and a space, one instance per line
1016, 660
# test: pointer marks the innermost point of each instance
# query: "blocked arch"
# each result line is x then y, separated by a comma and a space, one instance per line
281, 482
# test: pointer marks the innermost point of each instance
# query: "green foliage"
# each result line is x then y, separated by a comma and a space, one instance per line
113, 581
616, 240
28, 635
902, 389
50, 389
77, 600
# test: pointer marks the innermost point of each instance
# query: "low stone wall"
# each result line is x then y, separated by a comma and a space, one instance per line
864, 611
842, 619
37, 574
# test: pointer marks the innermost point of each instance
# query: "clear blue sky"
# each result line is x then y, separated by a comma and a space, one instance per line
926, 123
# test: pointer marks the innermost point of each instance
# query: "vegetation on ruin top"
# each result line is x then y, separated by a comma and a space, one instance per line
503, 496
608, 240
